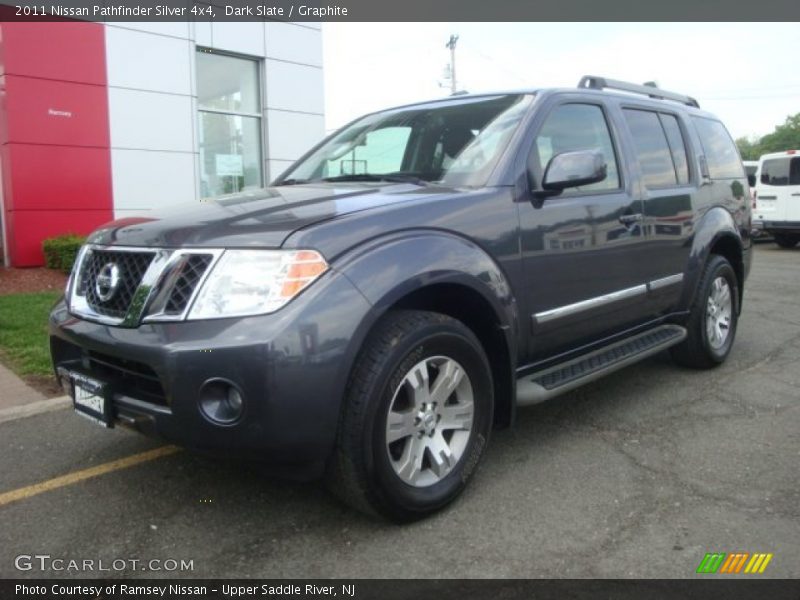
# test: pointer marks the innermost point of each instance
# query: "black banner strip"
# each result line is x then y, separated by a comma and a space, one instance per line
393, 10
734, 588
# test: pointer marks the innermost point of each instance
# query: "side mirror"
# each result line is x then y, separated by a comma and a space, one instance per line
573, 169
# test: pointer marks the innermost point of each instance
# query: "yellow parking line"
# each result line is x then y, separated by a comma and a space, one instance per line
78, 476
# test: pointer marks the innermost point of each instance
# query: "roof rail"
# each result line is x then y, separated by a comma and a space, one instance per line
648, 89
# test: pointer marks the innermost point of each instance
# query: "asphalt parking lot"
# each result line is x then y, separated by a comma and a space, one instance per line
637, 475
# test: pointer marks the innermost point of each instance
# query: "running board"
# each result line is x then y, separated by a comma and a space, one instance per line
543, 385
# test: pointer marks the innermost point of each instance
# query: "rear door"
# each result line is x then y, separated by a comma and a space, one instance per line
779, 189
666, 187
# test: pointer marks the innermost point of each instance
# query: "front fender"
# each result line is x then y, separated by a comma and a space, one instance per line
389, 268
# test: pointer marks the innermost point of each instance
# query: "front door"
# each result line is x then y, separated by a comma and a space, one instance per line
579, 247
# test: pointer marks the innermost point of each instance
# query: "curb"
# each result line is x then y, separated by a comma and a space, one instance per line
34, 408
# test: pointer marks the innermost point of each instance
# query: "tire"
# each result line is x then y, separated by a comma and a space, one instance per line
712, 319
373, 472
787, 240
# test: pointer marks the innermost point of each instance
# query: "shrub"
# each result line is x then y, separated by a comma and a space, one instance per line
60, 251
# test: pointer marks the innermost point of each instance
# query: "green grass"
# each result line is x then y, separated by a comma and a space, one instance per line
24, 343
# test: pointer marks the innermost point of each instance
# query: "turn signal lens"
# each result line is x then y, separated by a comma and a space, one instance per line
306, 266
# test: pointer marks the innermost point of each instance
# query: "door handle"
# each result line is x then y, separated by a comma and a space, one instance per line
630, 219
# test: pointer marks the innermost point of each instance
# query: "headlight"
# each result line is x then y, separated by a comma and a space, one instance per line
254, 282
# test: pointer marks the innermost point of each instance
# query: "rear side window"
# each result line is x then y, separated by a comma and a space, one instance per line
721, 154
652, 149
781, 171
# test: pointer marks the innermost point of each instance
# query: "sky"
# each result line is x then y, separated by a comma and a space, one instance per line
745, 73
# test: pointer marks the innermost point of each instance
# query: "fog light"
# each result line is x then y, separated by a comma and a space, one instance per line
221, 401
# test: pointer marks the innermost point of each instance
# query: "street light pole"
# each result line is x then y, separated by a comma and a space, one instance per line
451, 43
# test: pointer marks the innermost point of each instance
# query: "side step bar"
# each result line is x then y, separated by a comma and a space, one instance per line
543, 385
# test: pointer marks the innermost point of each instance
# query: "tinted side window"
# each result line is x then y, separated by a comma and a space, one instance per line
721, 154
676, 146
574, 127
781, 171
652, 149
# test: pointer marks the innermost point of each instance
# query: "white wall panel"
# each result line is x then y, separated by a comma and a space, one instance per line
294, 87
242, 38
150, 121
294, 43
202, 33
276, 167
145, 180
174, 29
291, 134
144, 61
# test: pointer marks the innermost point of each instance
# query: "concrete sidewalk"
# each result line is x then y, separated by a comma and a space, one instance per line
17, 399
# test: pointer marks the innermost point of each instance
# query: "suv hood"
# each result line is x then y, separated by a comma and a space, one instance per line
261, 219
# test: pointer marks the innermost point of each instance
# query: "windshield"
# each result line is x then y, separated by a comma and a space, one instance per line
458, 142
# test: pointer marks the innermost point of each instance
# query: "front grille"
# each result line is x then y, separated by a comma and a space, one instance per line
128, 377
192, 270
132, 267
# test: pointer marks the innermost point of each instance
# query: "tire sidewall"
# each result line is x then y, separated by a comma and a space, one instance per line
721, 268
443, 339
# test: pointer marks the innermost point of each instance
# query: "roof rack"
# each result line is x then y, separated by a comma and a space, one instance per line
648, 89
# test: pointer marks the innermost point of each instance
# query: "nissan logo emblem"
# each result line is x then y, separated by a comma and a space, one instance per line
107, 282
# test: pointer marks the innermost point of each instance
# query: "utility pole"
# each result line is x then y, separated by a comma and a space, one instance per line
451, 43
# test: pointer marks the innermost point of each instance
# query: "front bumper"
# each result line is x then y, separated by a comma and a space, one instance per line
291, 367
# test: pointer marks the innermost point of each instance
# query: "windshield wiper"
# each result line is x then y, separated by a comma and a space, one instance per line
391, 177
293, 182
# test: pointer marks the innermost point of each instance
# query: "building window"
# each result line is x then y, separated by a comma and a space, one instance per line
229, 106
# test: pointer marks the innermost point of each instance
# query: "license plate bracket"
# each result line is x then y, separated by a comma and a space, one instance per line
90, 399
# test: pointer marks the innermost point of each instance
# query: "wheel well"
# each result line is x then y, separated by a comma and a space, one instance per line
729, 247
472, 309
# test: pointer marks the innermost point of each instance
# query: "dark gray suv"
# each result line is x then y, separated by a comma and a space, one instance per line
412, 280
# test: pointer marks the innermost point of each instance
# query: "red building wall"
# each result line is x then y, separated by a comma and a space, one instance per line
54, 134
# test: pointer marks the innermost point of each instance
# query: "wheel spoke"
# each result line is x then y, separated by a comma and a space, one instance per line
419, 382
456, 416
724, 296
450, 375
441, 455
409, 466
400, 425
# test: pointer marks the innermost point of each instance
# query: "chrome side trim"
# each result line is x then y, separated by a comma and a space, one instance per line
665, 281
596, 302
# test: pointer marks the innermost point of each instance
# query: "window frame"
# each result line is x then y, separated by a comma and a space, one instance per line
262, 126
659, 112
533, 164
687, 147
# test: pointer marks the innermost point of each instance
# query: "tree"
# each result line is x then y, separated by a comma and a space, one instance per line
748, 148
785, 137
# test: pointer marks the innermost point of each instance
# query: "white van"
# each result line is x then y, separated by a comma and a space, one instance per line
777, 201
